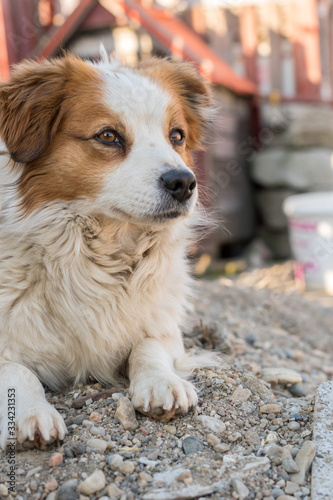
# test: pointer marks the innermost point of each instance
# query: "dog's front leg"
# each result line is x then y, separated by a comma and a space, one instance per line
24, 412
155, 387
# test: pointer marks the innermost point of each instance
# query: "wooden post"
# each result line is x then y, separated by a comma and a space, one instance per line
307, 49
249, 39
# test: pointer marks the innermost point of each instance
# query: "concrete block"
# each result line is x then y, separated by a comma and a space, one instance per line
309, 169
322, 467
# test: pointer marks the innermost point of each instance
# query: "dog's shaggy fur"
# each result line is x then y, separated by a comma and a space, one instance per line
93, 272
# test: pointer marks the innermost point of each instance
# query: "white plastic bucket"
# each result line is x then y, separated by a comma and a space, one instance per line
310, 219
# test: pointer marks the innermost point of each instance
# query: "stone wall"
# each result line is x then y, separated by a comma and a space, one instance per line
296, 156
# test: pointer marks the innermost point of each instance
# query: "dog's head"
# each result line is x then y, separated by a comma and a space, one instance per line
117, 138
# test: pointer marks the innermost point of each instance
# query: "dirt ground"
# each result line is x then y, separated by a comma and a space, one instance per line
244, 438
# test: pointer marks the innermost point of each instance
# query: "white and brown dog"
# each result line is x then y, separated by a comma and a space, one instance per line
96, 201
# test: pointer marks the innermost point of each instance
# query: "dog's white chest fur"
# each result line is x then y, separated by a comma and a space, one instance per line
77, 293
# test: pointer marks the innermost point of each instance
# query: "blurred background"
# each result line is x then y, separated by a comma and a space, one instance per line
271, 65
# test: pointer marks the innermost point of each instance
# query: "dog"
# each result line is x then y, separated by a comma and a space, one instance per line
97, 203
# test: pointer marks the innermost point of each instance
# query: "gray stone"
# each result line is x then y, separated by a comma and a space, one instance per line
78, 419
192, 445
304, 460
241, 394
298, 390
281, 376
126, 467
221, 448
277, 454
114, 461
211, 424
187, 493
125, 414
294, 426
169, 476
286, 497
290, 465
298, 125
252, 438
256, 386
277, 492
322, 477
96, 445
240, 488
79, 448
291, 488
66, 493
308, 169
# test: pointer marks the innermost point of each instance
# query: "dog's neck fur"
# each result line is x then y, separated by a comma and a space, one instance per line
87, 286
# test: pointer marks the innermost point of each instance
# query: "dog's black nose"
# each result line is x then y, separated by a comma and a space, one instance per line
179, 183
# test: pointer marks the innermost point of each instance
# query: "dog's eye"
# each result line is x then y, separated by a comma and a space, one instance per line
108, 137
176, 136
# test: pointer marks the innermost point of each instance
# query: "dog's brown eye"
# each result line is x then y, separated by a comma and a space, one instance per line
176, 136
108, 137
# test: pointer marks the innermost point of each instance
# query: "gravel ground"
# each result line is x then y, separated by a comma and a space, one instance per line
248, 438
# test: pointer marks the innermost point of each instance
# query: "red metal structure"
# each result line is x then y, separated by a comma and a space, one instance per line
29, 38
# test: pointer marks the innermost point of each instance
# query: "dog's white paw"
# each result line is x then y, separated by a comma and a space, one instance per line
162, 397
36, 427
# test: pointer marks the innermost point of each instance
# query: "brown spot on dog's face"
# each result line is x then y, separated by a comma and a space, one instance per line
192, 96
53, 119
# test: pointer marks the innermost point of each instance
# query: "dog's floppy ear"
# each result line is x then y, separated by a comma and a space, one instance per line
30, 106
195, 94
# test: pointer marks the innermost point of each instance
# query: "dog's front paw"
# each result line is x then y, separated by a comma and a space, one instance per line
162, 398
36, 427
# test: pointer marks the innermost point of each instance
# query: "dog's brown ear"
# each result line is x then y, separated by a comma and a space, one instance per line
30, 106
195, 94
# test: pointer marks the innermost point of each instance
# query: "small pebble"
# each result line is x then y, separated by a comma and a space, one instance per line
95, 482
3, 490
79, 448
125, 414
212, 439
97, 445
211, 424
51, 485
281, 376
286, 497
304, 460
95, 417
192, 445
146, 477
277, 492
270, 408
171, 429
291, 488
277, 454
293, 426
298, 390
221, 448
56, 459
290, 465
114, 491
240, 488
185, 477
241, 394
